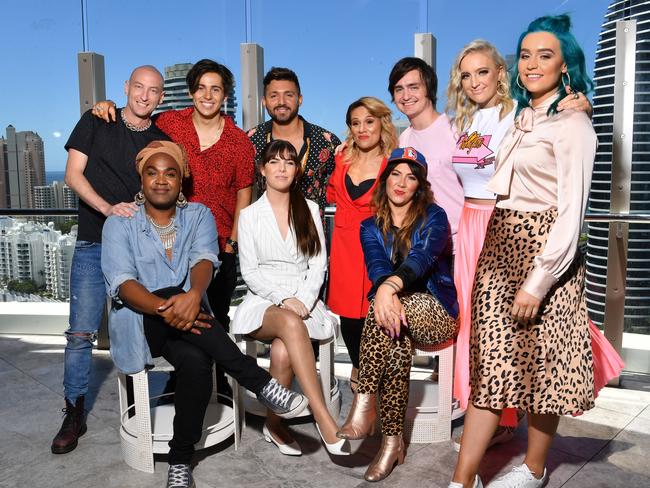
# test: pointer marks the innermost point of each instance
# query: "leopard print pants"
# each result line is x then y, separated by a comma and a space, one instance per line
385, 363
544, 367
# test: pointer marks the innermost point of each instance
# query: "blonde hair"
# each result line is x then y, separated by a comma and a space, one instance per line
379, 110
459, 103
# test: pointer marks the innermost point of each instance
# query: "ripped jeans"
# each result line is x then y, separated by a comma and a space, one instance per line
87, 302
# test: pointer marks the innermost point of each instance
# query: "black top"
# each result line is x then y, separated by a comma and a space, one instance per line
410, 282
357, 191
111, 149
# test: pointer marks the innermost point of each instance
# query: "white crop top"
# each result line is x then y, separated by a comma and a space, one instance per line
476, 148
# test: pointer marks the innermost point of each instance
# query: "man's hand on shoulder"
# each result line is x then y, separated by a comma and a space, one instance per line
122, 209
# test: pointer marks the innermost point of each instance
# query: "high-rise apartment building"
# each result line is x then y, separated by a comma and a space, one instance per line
22, 165
58, 250
637, 296
21, 252
55, 195
177, 94
38, 252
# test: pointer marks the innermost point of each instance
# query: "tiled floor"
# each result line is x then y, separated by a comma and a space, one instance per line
606, 447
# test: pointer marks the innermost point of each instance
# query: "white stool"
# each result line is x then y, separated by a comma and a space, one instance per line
151, 428
325, 365
429, 412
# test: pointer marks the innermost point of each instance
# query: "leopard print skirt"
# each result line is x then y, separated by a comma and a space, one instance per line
544, 367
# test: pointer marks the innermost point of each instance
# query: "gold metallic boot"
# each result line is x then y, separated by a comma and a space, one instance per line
362, 418
391, 454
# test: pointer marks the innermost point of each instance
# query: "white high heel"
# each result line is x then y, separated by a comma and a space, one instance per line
292, 449
340, 448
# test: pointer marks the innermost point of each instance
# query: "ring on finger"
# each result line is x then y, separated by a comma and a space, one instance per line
576, 95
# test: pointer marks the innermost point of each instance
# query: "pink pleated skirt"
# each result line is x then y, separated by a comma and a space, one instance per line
474, 220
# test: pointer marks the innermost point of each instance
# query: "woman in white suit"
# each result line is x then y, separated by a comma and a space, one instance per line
283, 260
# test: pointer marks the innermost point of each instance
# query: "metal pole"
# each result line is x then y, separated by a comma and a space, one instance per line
425, 48
622, 135
92, 83
252, 74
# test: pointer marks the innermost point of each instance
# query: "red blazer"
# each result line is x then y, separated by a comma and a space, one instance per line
348, 281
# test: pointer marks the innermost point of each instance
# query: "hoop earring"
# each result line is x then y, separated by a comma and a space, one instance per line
519, 83
501, 89
564, 85
181, 201
139, 198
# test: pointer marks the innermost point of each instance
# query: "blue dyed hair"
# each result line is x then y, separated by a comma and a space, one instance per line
574, 58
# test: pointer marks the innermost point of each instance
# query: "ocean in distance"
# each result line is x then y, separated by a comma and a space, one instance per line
51, 176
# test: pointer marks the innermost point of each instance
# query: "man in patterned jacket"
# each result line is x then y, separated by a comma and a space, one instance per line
315, 145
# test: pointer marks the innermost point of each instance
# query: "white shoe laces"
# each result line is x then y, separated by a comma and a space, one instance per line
178, 476
278, 394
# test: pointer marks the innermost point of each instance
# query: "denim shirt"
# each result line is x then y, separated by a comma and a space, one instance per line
132, 250
428, 260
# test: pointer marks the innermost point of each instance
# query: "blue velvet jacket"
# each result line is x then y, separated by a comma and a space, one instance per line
428, 259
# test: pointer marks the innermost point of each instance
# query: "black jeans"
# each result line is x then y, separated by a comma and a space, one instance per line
222, 287
192, 357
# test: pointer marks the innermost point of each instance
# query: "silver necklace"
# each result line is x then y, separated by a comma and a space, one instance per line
167, 232
133, 127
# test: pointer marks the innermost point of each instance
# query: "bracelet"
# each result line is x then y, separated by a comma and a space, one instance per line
392, 285
233, 244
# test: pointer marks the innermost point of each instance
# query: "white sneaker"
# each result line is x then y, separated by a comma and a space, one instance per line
477, 484
519, 477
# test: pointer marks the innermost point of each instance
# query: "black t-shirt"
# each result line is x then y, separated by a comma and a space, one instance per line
111, 149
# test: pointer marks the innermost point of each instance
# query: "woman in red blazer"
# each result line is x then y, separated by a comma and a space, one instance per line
371, 138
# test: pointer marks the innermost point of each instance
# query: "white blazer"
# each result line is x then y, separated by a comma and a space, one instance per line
274, 269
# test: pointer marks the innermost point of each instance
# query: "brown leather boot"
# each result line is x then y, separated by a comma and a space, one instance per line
73, 427
362, 418
391, 454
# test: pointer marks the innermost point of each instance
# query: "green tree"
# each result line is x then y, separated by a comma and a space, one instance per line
19, 286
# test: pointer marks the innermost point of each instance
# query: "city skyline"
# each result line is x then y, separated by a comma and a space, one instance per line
341, 50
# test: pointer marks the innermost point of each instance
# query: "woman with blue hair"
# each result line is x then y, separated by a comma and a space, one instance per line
530, 346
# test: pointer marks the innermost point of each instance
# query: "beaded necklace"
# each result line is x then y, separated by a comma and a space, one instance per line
167, 232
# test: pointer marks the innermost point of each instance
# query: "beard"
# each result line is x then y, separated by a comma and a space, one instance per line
283, 119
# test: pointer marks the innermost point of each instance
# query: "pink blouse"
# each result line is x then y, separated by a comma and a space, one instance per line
546, 162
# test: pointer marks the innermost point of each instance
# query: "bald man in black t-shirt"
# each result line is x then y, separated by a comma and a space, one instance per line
101, 170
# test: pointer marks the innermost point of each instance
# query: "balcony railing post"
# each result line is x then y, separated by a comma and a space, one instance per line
624, 91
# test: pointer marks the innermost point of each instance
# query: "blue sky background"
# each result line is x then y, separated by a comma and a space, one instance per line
340, 49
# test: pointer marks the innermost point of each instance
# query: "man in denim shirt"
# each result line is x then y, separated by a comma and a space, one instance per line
100, 170
158, 265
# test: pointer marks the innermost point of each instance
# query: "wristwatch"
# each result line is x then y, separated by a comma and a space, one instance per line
233, 244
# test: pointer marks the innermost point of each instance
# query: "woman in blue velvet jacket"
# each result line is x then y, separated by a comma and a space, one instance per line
406, 247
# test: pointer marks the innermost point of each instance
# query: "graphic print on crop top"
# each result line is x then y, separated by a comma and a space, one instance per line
473, 148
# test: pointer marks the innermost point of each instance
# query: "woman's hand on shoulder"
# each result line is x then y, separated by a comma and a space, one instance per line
575, 101
295, 306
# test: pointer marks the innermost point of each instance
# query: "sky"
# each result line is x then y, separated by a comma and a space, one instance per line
340, 49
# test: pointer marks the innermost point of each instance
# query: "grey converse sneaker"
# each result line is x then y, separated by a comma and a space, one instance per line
281, 401
519, 477
180, 476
